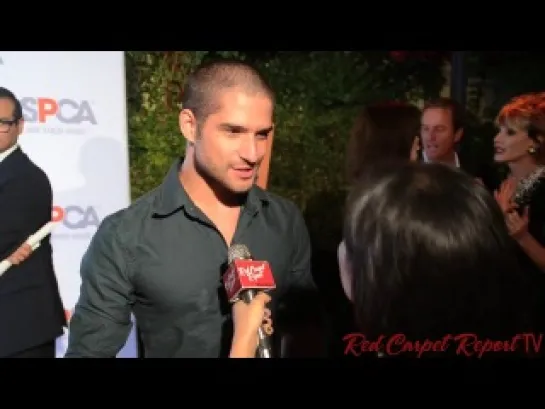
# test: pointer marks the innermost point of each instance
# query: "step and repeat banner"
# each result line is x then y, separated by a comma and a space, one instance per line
74, 104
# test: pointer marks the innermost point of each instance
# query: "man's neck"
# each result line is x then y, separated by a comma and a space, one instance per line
449, 159
203, 191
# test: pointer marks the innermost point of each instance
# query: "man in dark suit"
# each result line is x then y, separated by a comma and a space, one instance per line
31, 310
442, 129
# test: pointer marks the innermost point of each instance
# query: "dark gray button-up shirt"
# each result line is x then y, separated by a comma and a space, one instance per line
162, 259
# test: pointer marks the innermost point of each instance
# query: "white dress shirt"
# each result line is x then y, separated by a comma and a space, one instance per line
6, 153
456, 159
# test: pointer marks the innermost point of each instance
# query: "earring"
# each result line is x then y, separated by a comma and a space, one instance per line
532, 150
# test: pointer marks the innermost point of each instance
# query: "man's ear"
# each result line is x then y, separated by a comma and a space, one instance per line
20, 126
458, 135
188, 125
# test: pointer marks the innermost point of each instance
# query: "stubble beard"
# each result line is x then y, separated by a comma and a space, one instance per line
223, 191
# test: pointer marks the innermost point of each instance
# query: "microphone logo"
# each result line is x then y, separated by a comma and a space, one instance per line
252, 272
244, 274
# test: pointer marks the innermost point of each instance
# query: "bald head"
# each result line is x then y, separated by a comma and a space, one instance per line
203, 86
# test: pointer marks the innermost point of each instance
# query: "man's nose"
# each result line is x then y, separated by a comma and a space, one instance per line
248, 149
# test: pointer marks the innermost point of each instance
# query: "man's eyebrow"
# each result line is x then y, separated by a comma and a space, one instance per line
233, 128
242, 129
265, 131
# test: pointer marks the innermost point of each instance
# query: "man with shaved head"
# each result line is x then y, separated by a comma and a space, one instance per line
162, 258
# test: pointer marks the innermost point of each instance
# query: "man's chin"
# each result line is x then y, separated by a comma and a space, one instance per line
241, 188
238, 185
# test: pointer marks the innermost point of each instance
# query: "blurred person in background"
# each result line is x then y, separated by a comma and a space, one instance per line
442, 130
519, 144
31, 309
382, 132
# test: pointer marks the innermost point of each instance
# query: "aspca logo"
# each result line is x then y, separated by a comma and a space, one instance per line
65, 110
76, 217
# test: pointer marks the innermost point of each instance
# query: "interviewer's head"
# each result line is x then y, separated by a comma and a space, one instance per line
426, 251
382, 132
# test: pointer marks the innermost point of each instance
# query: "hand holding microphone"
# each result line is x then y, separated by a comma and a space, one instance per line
244, 282
247, 320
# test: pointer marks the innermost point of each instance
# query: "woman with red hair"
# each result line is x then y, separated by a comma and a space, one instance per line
520, 144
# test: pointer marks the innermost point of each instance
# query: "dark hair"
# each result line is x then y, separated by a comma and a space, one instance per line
203, 85
527, 112
430, 255
17, 109
456, 110
381, 132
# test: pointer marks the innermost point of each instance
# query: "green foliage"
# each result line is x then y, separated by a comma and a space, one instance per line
318, 95
154, 84
153, 139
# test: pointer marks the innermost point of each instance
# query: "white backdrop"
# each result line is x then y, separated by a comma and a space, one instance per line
76, 130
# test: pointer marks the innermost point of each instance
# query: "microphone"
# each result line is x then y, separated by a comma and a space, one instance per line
243, 279
33, 241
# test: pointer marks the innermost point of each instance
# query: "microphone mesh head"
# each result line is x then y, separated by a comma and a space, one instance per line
238, 251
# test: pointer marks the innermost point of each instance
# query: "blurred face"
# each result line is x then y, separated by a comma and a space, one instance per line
437, 132
512, 145
231, 143
9, 128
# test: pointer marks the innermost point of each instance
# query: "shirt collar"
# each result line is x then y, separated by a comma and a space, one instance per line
456, 159
6, 153
172, 195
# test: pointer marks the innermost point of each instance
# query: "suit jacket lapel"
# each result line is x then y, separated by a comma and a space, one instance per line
467, 165
11, 165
